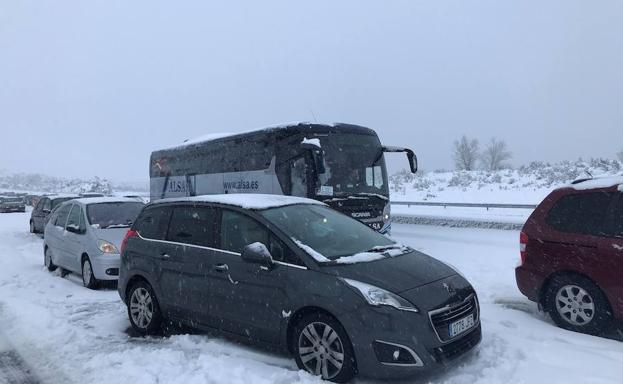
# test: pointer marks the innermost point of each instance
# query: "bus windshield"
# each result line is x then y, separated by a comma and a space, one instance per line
354, 165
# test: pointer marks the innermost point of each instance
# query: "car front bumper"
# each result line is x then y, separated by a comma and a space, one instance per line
407, 333
106, 266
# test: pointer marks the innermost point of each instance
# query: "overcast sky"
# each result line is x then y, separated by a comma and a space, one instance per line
92, 87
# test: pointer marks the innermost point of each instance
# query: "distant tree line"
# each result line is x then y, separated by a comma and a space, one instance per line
467, 155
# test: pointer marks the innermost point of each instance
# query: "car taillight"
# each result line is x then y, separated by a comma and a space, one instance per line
130, 233
523, 242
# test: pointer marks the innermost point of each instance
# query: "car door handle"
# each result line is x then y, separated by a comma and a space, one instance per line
220, 268
165, 256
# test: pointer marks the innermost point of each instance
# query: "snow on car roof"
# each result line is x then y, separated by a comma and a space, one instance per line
599, 182
245, 200
108, 199
61, 196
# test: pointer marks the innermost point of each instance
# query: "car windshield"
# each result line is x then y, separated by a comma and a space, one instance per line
354, 164
326, 231
113, 215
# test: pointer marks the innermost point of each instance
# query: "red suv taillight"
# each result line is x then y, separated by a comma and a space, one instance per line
130, 233
523, 242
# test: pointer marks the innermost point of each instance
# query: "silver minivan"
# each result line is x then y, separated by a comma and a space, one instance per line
84, 235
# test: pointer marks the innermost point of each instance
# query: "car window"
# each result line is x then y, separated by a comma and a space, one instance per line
113, 214
61, 215
239, 230
581, 213
47, 204
192, 225
152, 222
75, 217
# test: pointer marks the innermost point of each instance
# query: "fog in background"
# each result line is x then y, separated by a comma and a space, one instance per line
92, 87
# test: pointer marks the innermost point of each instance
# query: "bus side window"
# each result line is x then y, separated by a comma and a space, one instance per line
297, 177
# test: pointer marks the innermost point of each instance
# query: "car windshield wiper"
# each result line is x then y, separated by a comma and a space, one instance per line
385, 248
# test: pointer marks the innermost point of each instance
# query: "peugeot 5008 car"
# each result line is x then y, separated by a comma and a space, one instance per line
572, 255
84, 236
292, 272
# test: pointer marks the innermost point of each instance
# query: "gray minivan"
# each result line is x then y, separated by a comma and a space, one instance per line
84, 236
292, 272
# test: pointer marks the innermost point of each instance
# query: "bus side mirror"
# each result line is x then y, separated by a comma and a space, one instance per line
319, 160
412, 161
410, 156
313, 145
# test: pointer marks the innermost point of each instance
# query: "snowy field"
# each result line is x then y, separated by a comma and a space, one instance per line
68, 334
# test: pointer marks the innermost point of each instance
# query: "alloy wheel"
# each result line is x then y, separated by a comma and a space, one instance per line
141, 307
86, 272
575, 305
321, 350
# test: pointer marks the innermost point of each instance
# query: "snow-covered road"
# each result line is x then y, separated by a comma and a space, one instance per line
67, 333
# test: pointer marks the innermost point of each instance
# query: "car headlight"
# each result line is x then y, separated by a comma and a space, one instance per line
378, 296
106, 247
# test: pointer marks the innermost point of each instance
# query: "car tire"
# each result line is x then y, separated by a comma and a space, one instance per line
322, 348
575, 303
47, 260
144, 310
88, 279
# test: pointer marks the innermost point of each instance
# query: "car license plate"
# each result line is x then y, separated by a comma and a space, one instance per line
462, 325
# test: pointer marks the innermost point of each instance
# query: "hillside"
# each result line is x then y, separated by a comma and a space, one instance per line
526, 185
38, 183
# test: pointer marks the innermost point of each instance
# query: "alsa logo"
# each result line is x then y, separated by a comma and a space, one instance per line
241, 184
360, 215
177, 186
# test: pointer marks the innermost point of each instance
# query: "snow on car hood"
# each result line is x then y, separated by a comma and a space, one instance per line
396, 274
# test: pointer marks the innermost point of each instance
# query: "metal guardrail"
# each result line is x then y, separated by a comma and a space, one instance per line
463, 205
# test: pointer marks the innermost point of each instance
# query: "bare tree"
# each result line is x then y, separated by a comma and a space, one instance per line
465, 153
495, 155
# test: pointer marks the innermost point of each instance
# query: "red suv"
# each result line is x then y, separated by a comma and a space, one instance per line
572, 255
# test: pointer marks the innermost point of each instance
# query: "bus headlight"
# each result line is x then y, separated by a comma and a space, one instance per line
386, 212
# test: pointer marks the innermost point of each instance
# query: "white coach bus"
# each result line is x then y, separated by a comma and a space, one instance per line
342, 165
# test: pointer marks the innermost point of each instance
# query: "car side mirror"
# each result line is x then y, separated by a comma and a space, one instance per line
257, 253
73, 229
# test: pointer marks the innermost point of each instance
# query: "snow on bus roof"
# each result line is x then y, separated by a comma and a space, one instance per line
599, 182
245, 200
215, 136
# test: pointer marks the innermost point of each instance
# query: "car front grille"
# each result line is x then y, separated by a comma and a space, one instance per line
443, 317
